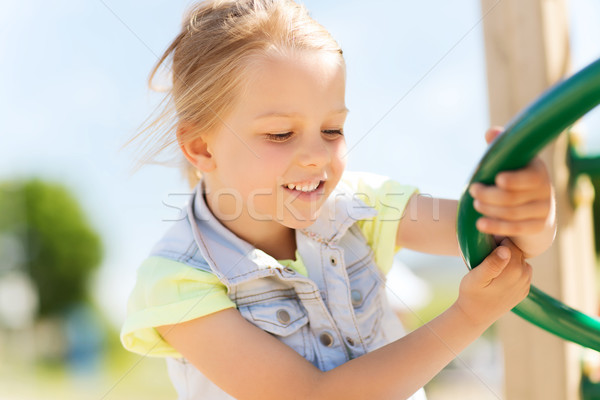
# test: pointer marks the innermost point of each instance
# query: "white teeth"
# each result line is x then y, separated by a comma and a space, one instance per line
304, 188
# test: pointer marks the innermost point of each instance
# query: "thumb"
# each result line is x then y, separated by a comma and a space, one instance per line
493, 265
493, 133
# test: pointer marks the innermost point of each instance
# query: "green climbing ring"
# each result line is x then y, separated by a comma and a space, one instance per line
523, 138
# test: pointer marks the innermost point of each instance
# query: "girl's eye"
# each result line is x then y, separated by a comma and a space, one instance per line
281, 137
333, 132
278, 137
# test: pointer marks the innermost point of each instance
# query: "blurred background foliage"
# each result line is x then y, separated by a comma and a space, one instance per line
54, 340
58, 249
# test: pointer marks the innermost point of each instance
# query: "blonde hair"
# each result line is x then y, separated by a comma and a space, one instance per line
218, 40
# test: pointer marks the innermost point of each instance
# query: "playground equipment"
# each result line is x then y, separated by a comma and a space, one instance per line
524, 137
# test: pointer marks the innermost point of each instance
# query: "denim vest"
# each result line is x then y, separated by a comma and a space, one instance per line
337, 313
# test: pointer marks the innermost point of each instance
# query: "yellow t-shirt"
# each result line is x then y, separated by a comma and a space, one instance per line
169, 292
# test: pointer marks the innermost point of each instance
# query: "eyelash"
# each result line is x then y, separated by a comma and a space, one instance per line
281, 137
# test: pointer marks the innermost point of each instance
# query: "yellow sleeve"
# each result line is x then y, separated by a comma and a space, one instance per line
389, 198
168, 292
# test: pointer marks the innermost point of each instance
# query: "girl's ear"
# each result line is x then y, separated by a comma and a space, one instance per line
196, 151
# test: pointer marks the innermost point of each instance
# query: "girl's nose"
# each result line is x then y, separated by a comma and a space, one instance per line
314, 152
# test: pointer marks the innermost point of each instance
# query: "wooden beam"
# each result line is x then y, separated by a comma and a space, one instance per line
527, 50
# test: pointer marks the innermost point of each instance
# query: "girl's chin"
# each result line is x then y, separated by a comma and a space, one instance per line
299, 222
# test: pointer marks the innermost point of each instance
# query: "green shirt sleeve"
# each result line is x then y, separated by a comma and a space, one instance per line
168, 292
389, 198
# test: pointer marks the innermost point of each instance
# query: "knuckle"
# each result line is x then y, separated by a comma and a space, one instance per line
514, 274
517, 253
509, 268
479, 206
538, 178
504, 179
494, 212
526, 212
485, 194
509, 197
518, 228
494, 265
527, 271
518, 213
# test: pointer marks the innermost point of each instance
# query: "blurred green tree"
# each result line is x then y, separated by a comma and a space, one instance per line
60, 248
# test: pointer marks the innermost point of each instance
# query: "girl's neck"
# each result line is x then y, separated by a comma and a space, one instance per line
271, 237
281, 246
275, 239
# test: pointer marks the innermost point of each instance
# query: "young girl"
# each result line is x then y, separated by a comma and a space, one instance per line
272, 284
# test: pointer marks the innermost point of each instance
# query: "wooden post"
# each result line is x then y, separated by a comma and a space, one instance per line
527, 50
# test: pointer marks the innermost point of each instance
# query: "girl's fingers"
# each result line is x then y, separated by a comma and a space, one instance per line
492, 266
515, 272
509, 228
493, 133
513, 248
496, 196
532, 210
532, 177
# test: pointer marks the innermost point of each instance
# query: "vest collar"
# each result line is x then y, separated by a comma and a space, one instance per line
341, 210
234, 260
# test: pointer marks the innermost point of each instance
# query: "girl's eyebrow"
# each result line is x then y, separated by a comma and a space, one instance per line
296, 115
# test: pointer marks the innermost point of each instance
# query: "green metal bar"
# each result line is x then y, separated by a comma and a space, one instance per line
524, 137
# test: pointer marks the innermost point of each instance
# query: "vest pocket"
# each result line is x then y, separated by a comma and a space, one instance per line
366, 286
283, 318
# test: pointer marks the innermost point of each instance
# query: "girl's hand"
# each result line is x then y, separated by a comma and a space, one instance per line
498, 284
519, 205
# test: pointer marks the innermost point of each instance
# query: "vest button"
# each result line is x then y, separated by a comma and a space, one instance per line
283, 316
356, 297
289, 270
350, 341
326, 339
333, 261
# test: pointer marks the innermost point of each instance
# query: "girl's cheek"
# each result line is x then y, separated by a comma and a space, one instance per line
273, 156
340, 152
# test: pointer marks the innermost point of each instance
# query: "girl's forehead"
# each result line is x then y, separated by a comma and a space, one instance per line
290, 58
282, 82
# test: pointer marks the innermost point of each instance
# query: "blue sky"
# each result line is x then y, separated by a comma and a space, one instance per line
73, 90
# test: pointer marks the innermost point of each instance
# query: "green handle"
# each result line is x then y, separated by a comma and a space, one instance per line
524, 137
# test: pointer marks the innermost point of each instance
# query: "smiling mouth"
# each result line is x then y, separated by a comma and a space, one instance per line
304, 187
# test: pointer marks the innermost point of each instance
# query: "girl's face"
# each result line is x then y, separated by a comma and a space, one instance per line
281, 152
